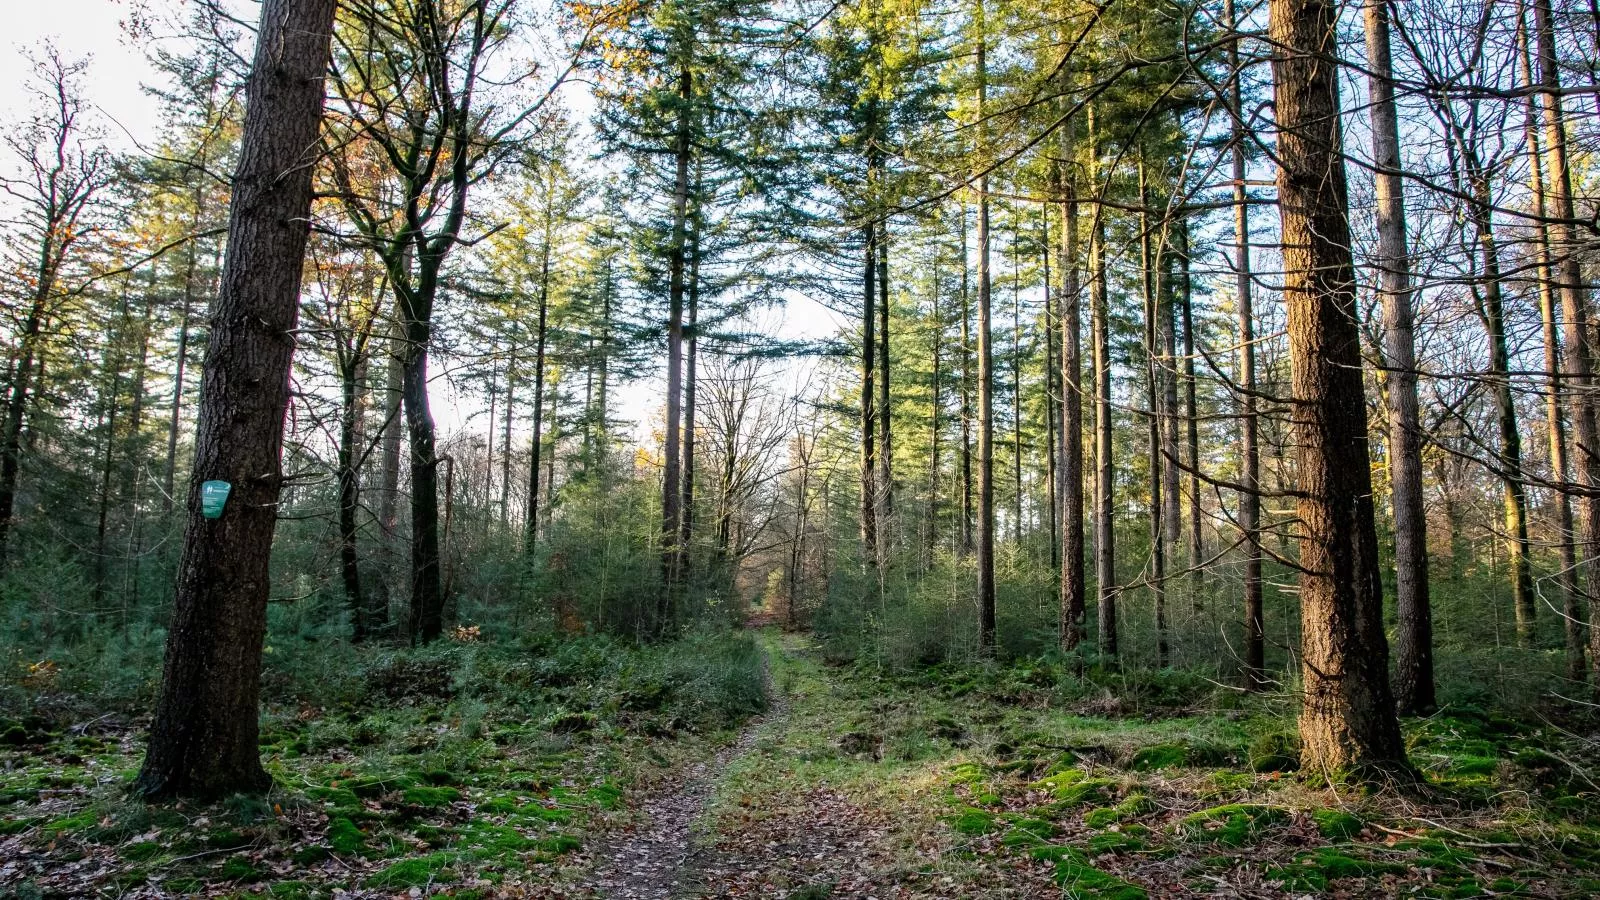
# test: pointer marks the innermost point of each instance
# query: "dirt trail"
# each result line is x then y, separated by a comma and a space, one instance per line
658, 860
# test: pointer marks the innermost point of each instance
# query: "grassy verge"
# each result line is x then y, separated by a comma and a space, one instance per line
1013, 782
467, 768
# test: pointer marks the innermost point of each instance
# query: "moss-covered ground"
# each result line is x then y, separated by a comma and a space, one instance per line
516, 774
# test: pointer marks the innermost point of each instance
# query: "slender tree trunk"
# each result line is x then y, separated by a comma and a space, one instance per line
1052, 417
1105, 553
986, 589
1571, 601
1578, 353
1414, 658
691, 384
936, 419
1347, 719
1255, 677
671, 483
426, 619
885, 409
869, 419
204, 739
966, 396
530, 525
1192, 424
1154, 420
349, 496
1073, 612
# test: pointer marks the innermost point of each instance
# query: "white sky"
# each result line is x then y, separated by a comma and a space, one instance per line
80, 28
94, 29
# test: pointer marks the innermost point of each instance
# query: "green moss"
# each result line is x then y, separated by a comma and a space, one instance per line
1082, 881
1133, 805
605, 795
1336, 824
141, 851
1160, 756
17, 825
344, 837
1275, 751
81, 820
1070, 787
1232, 825
237, 868
430, 797
1115, 842
414, 872
1028, 832
337, 797
559, 844
973, 821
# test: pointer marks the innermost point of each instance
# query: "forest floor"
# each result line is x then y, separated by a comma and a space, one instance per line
950, 783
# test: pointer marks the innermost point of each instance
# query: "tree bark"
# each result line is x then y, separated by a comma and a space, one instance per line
1414, 659
203, 741
1073, 611
671, 482
1255, 677
1571, 601
1155, 421
1578, 352
1347, 719
1105, 553
986, 588
530, 525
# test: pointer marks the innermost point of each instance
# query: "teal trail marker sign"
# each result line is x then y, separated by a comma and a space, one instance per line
213, 497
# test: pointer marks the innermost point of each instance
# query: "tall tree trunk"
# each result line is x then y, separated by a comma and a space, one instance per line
1347, 718
869, 419
1578, 353
426, 618
1255, 677
1154, 420
1105, 552
1414, 658
349, 495
986, 592
1192, 423
530, 525
691, 383
966, 396
671, 482
936, 419
1518, 550
885, 409
1052, 417
204, 739
1073, 597
1555, 425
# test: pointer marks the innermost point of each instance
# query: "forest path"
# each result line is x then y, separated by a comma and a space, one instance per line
660, 859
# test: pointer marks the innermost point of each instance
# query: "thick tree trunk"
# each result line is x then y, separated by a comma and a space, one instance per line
1347, 719
203, 741
1414, 658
